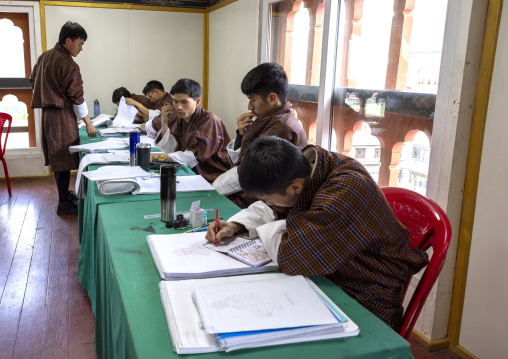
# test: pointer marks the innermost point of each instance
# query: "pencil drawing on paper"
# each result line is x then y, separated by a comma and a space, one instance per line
259, 305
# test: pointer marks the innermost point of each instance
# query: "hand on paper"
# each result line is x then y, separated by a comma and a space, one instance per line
91, 130
244, 121
130, 101
226, 229
142, 127
159, 157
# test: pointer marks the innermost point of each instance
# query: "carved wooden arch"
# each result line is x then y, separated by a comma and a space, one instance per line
348, 137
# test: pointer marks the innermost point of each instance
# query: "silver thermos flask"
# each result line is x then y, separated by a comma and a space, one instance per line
168, 193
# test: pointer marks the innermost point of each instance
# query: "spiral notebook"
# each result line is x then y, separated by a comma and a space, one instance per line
248, 251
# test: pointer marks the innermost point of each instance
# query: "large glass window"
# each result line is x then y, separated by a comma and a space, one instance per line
386, 73
15, 68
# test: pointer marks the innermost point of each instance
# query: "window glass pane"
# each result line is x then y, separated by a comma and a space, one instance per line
18, 136
12, 61
387, 71
295, 44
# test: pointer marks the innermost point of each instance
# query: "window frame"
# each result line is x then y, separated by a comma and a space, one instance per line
35, 34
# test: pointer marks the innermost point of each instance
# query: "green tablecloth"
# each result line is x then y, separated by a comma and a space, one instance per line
129, 318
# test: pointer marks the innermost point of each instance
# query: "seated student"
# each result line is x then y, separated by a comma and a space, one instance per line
336, 222
266, 86
155, 91
145, 101
191, 135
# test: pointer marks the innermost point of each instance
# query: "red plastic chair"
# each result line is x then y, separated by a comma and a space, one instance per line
429, 227
5, 117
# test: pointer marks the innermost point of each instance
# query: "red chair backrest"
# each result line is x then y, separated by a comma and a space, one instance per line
429, 227
3, 118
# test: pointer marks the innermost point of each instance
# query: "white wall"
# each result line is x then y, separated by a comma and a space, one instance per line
131, 47
485, 316
233, 52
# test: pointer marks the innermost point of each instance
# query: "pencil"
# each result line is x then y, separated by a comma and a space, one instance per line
216, 228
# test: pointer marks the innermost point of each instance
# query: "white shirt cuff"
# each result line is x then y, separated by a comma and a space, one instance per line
150, 131
270, 235
233, 154
228, 182
187, 158
166, 144
152, 114
80, 110
254, 216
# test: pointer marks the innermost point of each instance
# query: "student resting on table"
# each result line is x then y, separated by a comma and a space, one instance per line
58, 90
143, 100
266, 86
331, 219
155, 91
191, 135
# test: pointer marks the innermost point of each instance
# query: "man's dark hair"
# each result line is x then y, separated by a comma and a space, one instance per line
265, 79
119, 92
187, 86
153, 85
71, 30
269, 166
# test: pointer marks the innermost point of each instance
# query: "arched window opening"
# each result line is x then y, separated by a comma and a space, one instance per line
414, 163
12, 61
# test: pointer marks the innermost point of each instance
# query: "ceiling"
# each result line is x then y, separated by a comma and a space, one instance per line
191, 4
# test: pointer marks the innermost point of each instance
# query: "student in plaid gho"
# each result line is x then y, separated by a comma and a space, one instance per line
58, 91
330, 219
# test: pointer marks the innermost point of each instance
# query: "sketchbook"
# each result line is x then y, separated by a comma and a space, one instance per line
188, 329
184, 256
249, 251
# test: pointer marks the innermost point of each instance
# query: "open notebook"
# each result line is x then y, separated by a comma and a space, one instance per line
249, 251
184, 256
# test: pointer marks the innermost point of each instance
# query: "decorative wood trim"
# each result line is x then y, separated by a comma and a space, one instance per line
220, 5
473, 168
464, 353
42, 11
430, 345
121, 6
206, 42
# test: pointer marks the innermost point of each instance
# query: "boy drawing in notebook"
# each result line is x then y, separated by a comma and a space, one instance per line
320, 213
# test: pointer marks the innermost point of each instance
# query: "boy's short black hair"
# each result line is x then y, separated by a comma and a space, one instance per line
71, 30
187, 86
269, 166
119, 92
153, 85
265, 79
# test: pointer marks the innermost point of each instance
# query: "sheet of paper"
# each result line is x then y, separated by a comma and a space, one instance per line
116, 172
183, 184
125, 115
146, 139
97, 158
260, 305
103, 146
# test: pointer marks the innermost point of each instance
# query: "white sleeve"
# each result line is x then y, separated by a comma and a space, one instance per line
150, 131
166, 144
233, 154
80, 110
152, 114
187, 158
228, 182
270, 235
254, 216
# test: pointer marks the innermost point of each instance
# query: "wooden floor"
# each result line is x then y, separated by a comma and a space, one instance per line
44, 311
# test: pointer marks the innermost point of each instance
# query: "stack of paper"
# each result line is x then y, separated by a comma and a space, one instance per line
183, 256
105, 173
183, 184
102, 146
117, 131
230, 313
100, 120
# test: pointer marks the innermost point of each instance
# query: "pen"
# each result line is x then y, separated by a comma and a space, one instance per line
216, 228
196, 229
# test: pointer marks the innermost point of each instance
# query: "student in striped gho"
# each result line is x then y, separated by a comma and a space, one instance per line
143, 100
58, 90
191, 135
321, 213
270, 114
159, 97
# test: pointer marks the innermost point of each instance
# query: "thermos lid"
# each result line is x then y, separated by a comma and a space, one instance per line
170, 168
